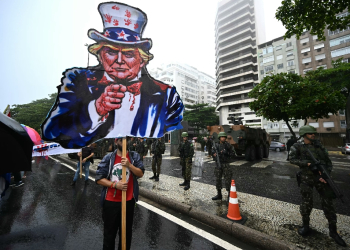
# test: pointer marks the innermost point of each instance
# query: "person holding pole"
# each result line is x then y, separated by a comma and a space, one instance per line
85, 158
109, 175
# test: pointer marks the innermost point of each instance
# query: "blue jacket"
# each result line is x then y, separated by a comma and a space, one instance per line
104, 170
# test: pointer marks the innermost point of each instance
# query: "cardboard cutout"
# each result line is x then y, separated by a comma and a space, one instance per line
118, 97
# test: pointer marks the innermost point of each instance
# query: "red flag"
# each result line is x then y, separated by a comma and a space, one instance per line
8, 111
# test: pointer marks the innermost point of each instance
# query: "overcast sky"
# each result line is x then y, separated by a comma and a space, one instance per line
40, 39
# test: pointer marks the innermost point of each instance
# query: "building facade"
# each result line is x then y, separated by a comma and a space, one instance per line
277, 56
314, 53
194, 86
239, 27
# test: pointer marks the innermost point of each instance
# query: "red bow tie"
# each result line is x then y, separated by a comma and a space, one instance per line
134, 88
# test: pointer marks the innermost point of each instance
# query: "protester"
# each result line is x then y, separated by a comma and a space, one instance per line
111, 196
87, 158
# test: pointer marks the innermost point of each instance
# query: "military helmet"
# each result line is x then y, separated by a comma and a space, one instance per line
222, 134
184, 134
307, 129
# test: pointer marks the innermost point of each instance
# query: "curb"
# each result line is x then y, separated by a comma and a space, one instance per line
236, 230
243, 233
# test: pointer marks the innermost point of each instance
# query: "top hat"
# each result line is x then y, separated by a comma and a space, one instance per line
123, 24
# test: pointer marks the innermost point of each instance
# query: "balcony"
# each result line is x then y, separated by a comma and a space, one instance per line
236, 41
247, 6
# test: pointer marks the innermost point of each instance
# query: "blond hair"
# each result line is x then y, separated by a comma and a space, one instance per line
96, 47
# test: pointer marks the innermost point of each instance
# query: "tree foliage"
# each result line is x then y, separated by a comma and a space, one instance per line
312, 15
199, 116
290, 97
34, 113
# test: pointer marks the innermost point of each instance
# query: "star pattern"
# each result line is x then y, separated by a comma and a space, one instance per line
107, 33
123, 35
137, 38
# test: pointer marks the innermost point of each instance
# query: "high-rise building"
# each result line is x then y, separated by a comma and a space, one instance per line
239, 27
314, 53
277, 56
194, 86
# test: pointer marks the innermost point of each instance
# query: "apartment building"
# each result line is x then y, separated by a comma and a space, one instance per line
193, 85
277, 56
239, 27
314, 53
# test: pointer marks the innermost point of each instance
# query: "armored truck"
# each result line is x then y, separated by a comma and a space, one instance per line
254, 143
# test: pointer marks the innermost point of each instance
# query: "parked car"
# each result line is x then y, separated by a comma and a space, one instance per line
346, 149
277, 146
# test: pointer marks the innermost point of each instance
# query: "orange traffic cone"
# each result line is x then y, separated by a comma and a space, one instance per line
233, 206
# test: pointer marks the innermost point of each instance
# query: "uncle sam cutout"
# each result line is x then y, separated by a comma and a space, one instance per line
118, 97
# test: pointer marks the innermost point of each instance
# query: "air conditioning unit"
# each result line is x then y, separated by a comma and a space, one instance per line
319, 50
306, 63
305, 54
320, 60
304, 43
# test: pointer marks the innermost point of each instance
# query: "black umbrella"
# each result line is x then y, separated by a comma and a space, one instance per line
15, 146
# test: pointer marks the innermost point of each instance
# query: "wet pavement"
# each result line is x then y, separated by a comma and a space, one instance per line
47, 213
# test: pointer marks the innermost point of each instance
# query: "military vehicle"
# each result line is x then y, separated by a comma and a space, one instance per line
254, 143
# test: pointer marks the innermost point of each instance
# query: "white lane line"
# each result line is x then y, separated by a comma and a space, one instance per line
66, 165
196, 230
200, 232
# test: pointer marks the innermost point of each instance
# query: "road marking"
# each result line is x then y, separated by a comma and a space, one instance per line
262, 164
188, 226
238, 163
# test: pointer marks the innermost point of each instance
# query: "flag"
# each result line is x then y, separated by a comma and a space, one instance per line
8, 111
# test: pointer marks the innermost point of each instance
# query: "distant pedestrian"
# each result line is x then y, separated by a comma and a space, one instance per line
225, 152
109, 175
210, 145
290, 143
132, 144
157, 149
186, 153
87, 158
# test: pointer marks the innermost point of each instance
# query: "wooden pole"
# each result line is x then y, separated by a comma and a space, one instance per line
81, 163
124, 200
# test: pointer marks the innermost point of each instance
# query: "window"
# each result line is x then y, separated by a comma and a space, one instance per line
289, 44
306, 70
320, 57
280, 66
290, 63
262, 72
279, 57
268, 59
291, 72
314, 124
339, 40
339, 31
322, 66
305, 40
328, 124
305, 50
342, 112
306, 60
346, 60
314, 37
343, 124
267, 50
290, 54
319, 46
279, 47
340, 52
268, 68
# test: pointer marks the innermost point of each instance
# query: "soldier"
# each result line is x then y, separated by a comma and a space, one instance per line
209, 145
300, 156
157, 149
141, 148
290, 143
132, 144
225, 152
186, 153
149, 142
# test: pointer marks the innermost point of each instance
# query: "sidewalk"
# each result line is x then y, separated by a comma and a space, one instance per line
271, 224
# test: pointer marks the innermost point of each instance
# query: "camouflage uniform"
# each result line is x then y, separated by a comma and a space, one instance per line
157, 149
141, 148
131, 147
186, 153
300, 156
225, 153
210, 145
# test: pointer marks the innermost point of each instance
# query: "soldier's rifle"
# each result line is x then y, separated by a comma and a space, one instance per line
318, 167
217, 155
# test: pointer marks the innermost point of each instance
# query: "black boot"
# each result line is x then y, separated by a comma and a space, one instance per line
334, 234
157, 177
218, 196
183, 184
153, 177
305, 229
187, 187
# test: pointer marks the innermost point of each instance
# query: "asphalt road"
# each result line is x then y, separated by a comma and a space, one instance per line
47, 213
276, 181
